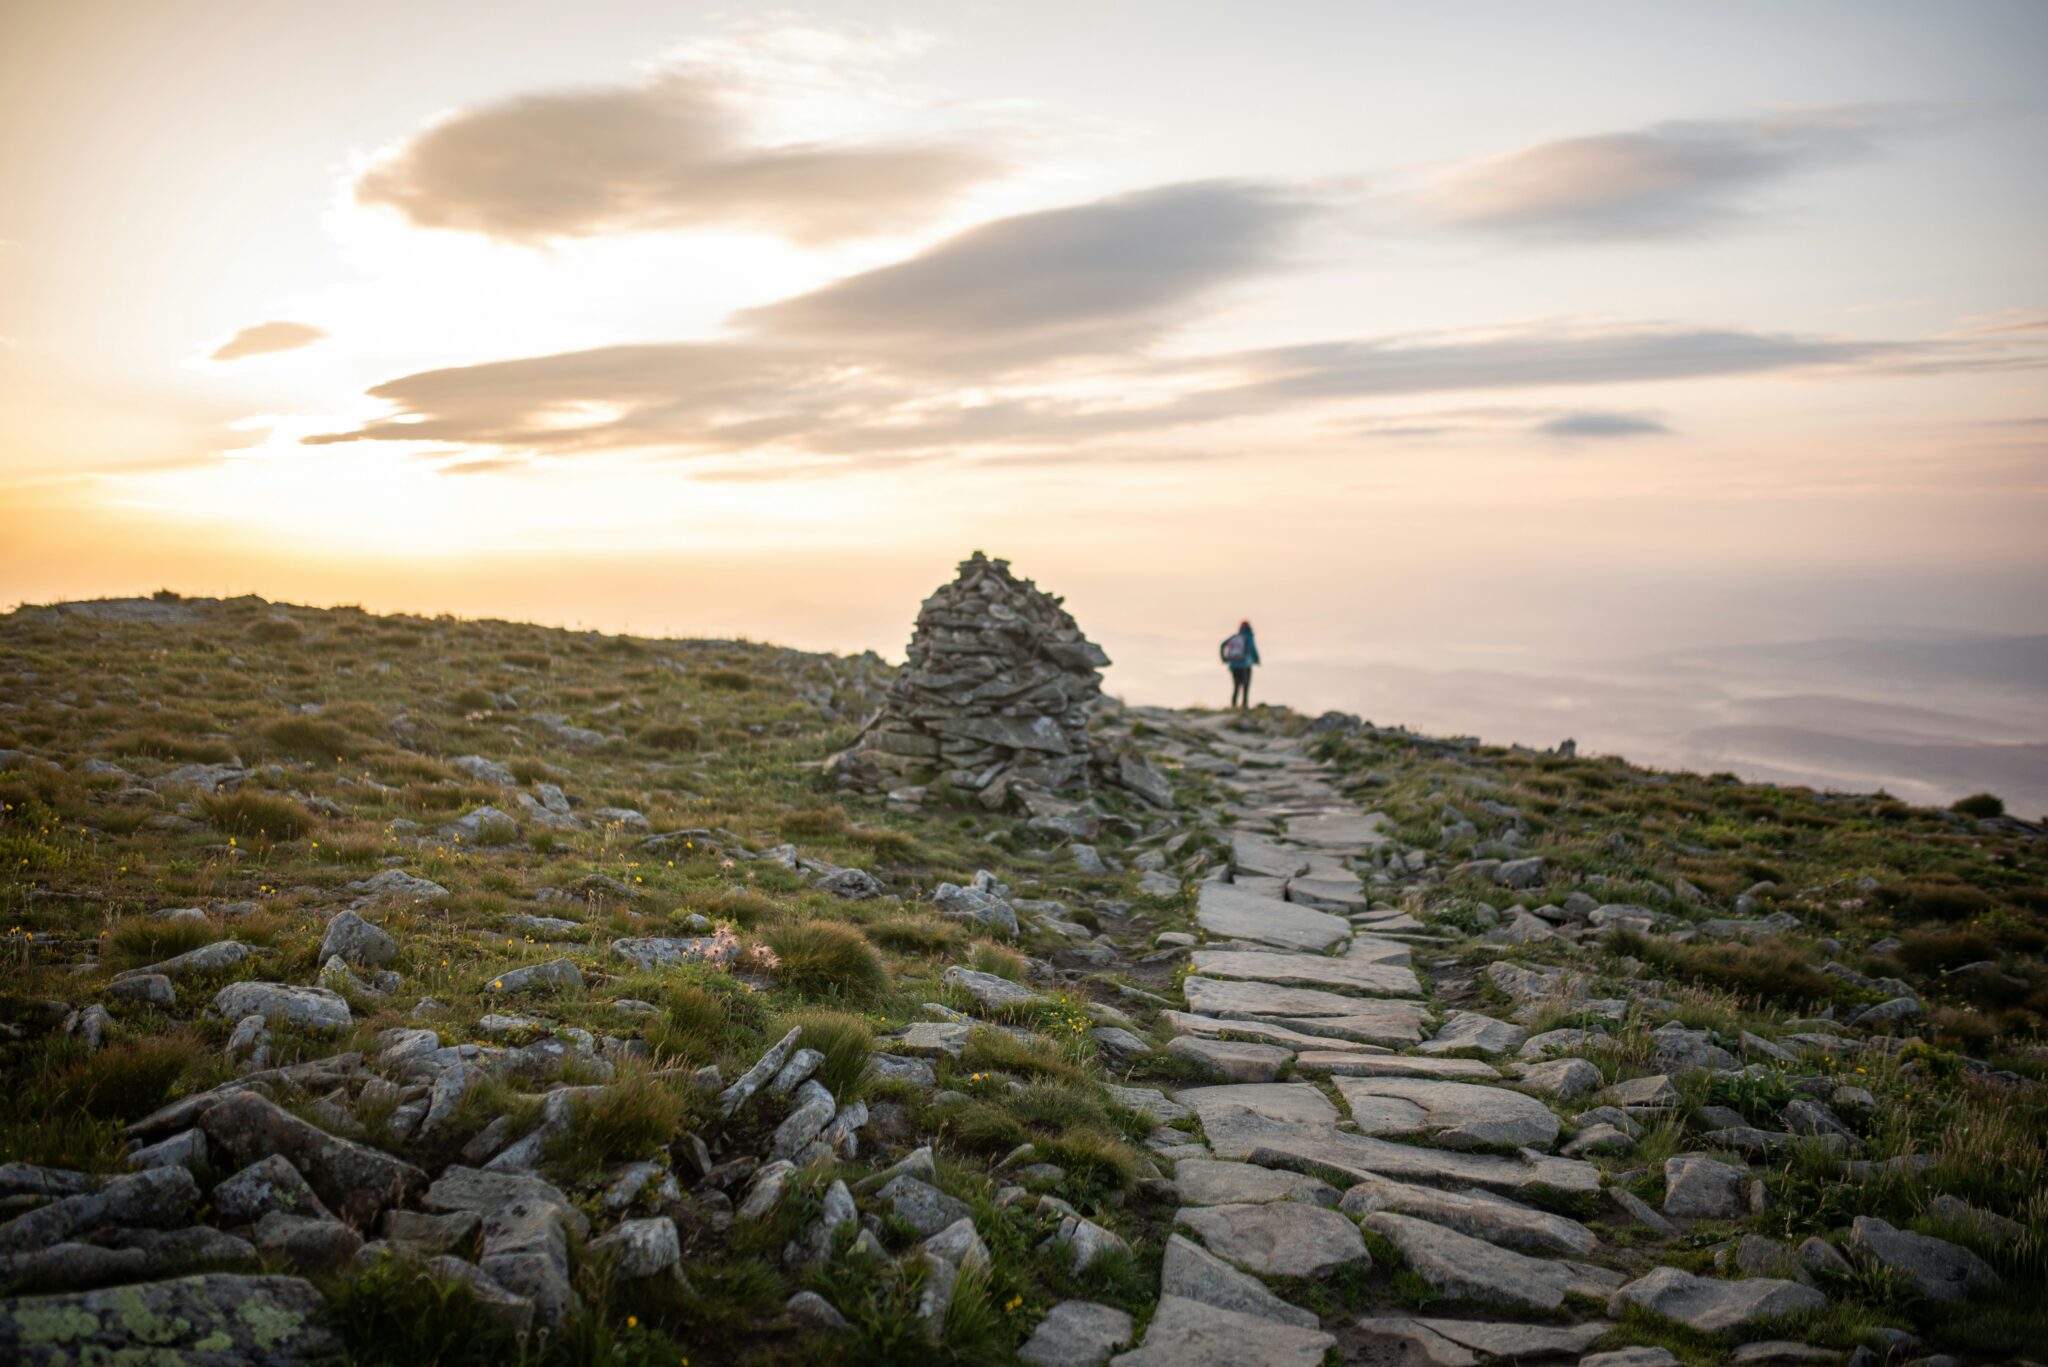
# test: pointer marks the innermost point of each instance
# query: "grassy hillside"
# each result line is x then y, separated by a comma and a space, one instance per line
241, 764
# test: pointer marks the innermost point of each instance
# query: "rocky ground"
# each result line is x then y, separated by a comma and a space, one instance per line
410, 990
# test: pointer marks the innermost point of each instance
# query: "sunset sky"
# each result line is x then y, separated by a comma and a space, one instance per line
1474, 335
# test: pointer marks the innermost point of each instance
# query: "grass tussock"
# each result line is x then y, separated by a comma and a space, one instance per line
916, 934
1768, 970
164, 745
138, 940
257, 816
392, 1313
989, 957
276, 631
636, 1116
317, 740
129, 1078
672, 738
844, 1039
828, 959
993, 1051
808, 822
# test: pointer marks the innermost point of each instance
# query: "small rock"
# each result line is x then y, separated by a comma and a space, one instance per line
1077, 1334
308, 1243
813, 1312
1700, 1188
1710, 1305
642, 1248
1941, 1270
357, 942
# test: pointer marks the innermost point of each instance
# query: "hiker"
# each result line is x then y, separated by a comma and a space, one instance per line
1240, 650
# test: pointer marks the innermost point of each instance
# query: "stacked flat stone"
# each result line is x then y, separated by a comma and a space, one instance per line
995, 693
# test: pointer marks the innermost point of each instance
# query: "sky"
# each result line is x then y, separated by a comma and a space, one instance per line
1494, 336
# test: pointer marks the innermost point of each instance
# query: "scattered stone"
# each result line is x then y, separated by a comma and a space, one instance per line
269, 1184
357, 942
1563, 1078
556, 973
1653, 1091
643, 1248
152, 1198
400, 885
814, 1109
812, 1311
993, 992
150, 989
89, 1026
1083, 1241
769, 1184
922, 1206
1633, 1208
216, 1318
309, 1243
526, 1250
1711, 1306
1077, 1334
186, 1149
355, 1181
1697, 1187
765, 1067
428, 1235
1941, 1270
304, 1008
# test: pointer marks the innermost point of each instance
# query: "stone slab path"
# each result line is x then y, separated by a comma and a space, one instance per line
1445, 1158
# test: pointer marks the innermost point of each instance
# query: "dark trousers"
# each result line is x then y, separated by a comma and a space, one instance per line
1240, 685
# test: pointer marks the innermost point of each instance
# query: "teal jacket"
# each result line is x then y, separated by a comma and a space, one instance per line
1251, 649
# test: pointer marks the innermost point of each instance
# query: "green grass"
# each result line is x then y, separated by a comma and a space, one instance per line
724, 740
258, 816
828, 960
634, 1117
844, 1039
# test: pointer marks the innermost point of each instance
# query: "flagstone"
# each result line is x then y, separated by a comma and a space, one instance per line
1231, 912
1359, 975
1455, 1115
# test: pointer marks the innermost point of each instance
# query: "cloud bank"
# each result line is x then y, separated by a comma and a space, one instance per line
672, 152
1666, 180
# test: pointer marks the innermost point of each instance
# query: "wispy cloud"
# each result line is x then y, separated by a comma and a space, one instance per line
1593, 425
1669, 179
676, 150
263, 339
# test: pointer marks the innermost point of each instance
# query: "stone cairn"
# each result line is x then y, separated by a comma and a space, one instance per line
994, 698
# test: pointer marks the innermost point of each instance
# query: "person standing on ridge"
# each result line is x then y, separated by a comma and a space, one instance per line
1240, 650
